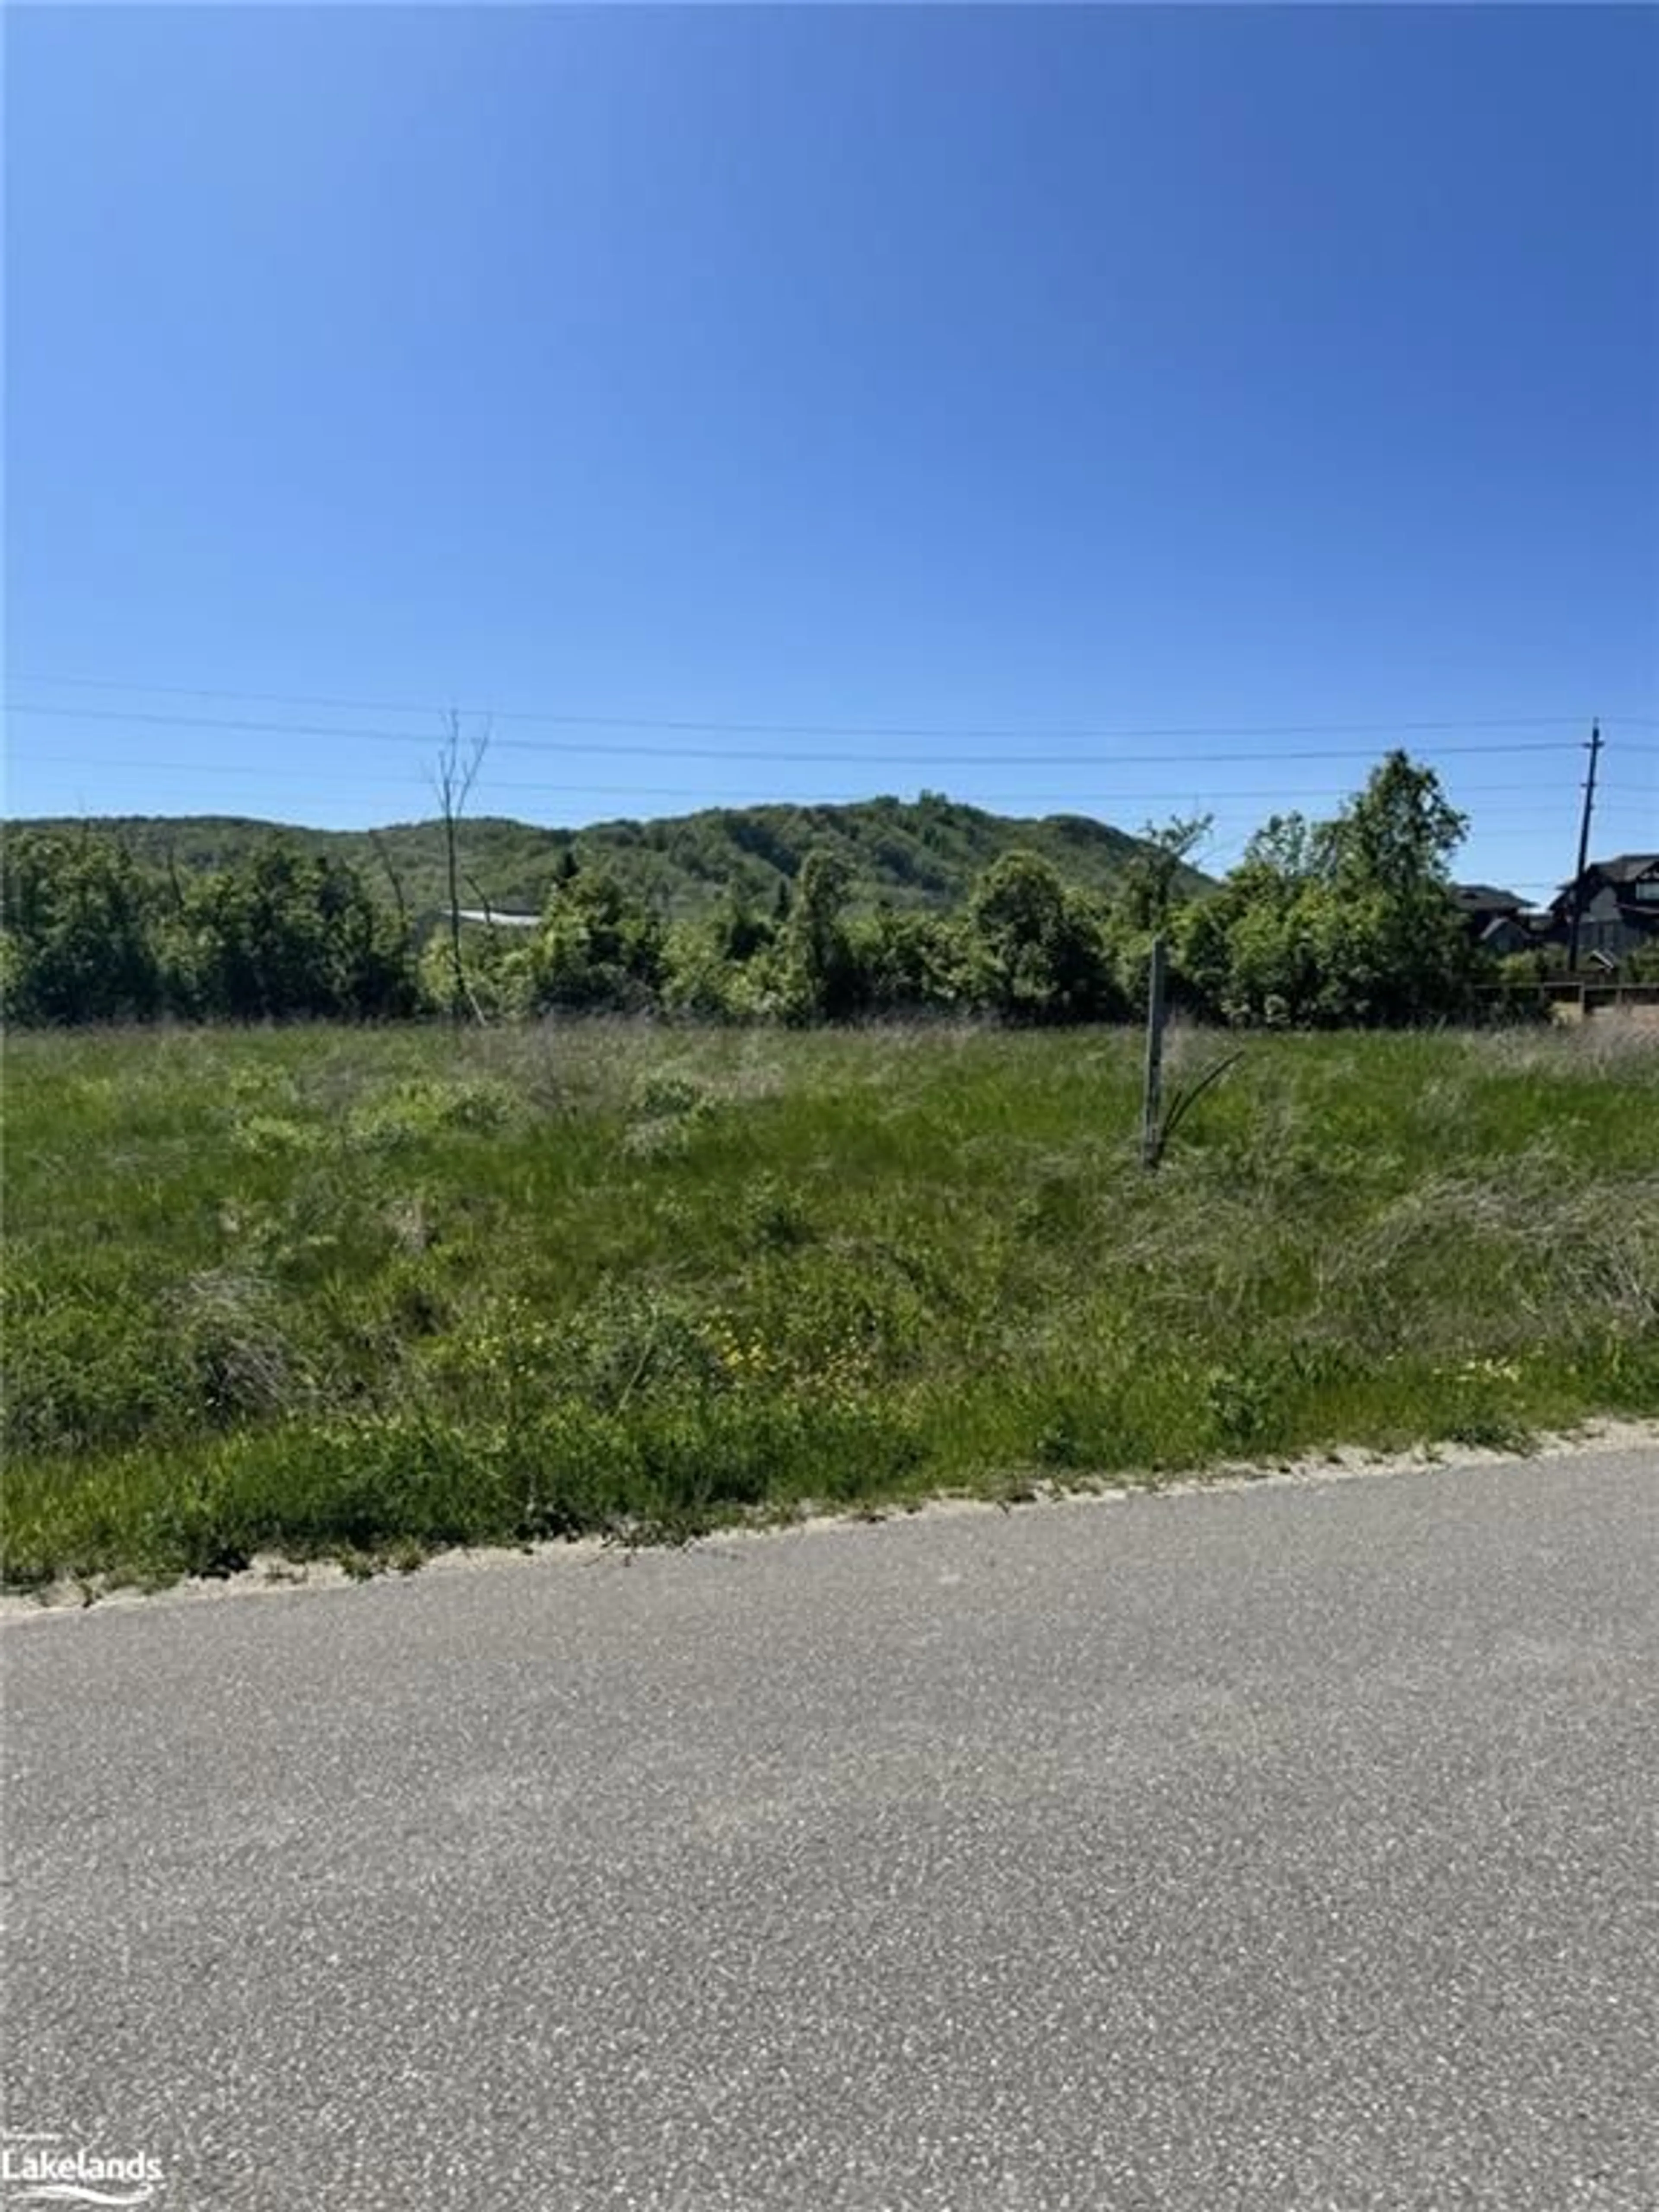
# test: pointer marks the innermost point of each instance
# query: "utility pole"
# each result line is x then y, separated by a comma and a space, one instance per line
1594, 749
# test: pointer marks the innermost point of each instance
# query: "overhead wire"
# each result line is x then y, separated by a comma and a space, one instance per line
1510, 802
1507, 796
253, 726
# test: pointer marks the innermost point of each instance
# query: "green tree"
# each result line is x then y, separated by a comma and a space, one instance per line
78, 917
288, 934
1397, 836
819, 973
713, 966
496, 975
1245, 954
910, 961
1346, 921
1152, 883
600, 949
1391, 943
1150, 891
1037, 951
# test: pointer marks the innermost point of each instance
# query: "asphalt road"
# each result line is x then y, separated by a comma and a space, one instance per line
1289, 1847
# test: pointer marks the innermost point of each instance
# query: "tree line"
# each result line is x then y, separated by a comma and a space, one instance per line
1349, 920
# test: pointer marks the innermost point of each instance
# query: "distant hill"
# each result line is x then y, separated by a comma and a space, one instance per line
915, 853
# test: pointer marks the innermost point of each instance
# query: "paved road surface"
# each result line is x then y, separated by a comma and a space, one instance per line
1291, 1848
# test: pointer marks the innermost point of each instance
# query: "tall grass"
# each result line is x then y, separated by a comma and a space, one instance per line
338, 1291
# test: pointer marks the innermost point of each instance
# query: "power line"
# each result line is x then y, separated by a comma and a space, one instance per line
254, 727
1506, 798
1174, 787
714, 727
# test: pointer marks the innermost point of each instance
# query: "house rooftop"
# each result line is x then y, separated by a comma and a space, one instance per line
1487, 898
1623, 868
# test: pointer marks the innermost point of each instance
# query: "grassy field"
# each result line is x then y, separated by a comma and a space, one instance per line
365, 1294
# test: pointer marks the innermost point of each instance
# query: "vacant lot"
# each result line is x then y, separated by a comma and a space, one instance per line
365, 1293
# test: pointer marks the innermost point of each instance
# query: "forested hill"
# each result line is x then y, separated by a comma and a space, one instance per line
921, 853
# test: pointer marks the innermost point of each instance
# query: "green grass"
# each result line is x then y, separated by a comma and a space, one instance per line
363, 1294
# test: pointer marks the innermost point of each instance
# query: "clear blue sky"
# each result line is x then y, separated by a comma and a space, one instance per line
1035, 371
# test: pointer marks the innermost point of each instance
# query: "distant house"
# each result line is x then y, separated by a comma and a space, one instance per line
1495, 919
1618, 905
495, 918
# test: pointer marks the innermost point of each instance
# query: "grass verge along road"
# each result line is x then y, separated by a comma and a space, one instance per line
366, 1294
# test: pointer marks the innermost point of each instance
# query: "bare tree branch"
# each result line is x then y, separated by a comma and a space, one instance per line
456, 773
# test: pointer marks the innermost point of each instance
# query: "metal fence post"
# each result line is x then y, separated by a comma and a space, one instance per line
1151, 1136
